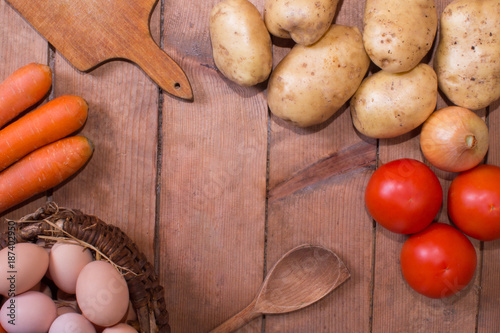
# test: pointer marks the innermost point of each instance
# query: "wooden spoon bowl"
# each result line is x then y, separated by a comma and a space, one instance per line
299, 278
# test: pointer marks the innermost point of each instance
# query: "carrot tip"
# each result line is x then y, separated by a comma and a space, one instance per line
46, 68
91, 144
41, 67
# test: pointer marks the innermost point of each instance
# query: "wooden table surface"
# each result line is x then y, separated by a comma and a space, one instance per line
216, 190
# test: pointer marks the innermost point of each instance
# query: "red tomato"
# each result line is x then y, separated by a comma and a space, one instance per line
439, 261
404, 196
474, 202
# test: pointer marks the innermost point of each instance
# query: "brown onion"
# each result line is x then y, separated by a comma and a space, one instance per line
454, 139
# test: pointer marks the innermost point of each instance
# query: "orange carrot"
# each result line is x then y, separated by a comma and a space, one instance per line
50, 122
43, 169
22, 89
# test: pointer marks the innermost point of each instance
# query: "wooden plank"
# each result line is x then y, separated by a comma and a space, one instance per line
316, 182
118, 184
353, 157
213, 188
488, 319
396, 307
204, 221
324, 214
20, 45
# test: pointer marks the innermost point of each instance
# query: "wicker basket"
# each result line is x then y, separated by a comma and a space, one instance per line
146, 294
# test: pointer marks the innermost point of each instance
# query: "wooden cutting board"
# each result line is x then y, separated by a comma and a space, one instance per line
89, 32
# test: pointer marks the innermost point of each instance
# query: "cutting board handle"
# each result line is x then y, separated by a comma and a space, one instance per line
160, 68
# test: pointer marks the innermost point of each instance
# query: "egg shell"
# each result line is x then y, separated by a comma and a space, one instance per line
22, 266
102, 293
31, 311
66, 260
120, 328
71, 323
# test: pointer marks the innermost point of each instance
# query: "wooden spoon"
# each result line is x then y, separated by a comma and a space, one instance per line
299, 278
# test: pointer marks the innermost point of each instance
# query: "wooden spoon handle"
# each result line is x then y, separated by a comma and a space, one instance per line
238, 320
160, 68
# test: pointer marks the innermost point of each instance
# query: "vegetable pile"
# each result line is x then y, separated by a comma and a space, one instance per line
327, 67
437, 260
328, 63
36, 151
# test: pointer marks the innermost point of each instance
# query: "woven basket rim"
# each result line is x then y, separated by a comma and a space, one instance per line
146, 294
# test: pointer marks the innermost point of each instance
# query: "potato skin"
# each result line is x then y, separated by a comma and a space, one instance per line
467, 60
304, 21
241, 44
312, 82
387, 105
398, 34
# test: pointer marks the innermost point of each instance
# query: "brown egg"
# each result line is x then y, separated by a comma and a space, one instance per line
71, 322
22, 266
102, 293
66, 260
31, 312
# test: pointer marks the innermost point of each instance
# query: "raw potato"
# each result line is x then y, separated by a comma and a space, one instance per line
312, 82
304, 21
398, 34
467, 59
387, 105
241, 43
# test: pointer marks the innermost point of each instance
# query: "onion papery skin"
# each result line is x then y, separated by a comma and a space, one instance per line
454, 139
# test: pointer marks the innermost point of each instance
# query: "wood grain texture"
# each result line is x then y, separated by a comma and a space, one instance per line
214, 191
327, 211
396, 307
301, 277
322, 215
119, 182
15, 35
360, 155
90, 32
488, 316
212, 201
